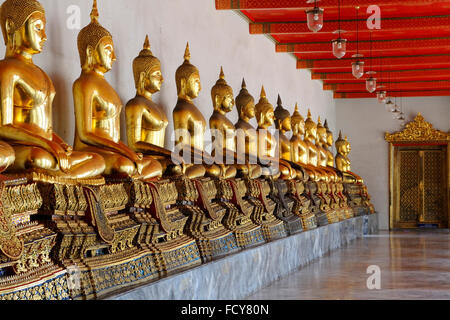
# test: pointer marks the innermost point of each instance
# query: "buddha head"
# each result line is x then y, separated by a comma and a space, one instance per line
95, 45
347, 145
282, 117
147, 71
298, 123
341, 145
23, 26
222, 95
329, 135
310, 127
187, 78
321, 133
245, 103
264, 111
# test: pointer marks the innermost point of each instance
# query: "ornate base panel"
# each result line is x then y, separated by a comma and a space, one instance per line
321, 218
285, 206
101, 275
197, 201
25, 243
238, 212
176, 255
309, 221
47, 282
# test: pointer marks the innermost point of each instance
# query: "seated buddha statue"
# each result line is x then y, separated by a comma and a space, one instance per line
328, 145
342, 160
246, 135
348, 149
98, 107
313, 152
283, 123
267, 144
299, 148
321, 144
27, 95
7, 156
225, 142
146, 121
190, 125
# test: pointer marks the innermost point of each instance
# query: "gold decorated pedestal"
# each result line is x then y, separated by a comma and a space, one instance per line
302, 204
238, 215
284, 209
257, 195
197, 201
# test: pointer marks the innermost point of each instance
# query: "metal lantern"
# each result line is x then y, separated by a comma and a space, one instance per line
381, 96
396, 112
339, 47
315, 18
371, 84
358, 69
389, 105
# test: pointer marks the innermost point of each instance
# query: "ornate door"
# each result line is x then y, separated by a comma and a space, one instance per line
419, 166
419, 186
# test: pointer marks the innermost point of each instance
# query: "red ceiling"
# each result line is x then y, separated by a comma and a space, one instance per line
411, 50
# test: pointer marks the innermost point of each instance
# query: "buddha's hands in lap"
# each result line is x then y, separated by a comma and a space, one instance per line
62, 155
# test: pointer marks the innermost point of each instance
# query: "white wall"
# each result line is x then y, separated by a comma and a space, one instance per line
216, 38
365, 121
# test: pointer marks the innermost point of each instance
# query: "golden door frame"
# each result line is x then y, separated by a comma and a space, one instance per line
416, 133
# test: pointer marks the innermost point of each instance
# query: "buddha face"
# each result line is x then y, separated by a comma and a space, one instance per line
322, 135
348, 147
225, 101
312, 131
268, 117
35, 31
31, 36
249, 109
286, 124
228, 102
341, 148
154, 81
193, 86
104, 55
329, 139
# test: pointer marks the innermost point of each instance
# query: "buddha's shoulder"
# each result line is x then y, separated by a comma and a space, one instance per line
11, 65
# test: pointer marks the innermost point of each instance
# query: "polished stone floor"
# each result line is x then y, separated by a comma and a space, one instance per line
413, 264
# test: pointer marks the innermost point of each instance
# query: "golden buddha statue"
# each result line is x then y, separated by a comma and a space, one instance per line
246, 136
223, 131
342, 160
283, 123
348, 149
26, 100
189, 123
267, 144
329, 144
313, 152
223, 102
299, 148
146, 121
321, 144
98, 107
7, 156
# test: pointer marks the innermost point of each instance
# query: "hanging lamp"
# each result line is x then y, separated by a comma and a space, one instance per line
371, 82
339, 44
314, 17
358, 65
396, 111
